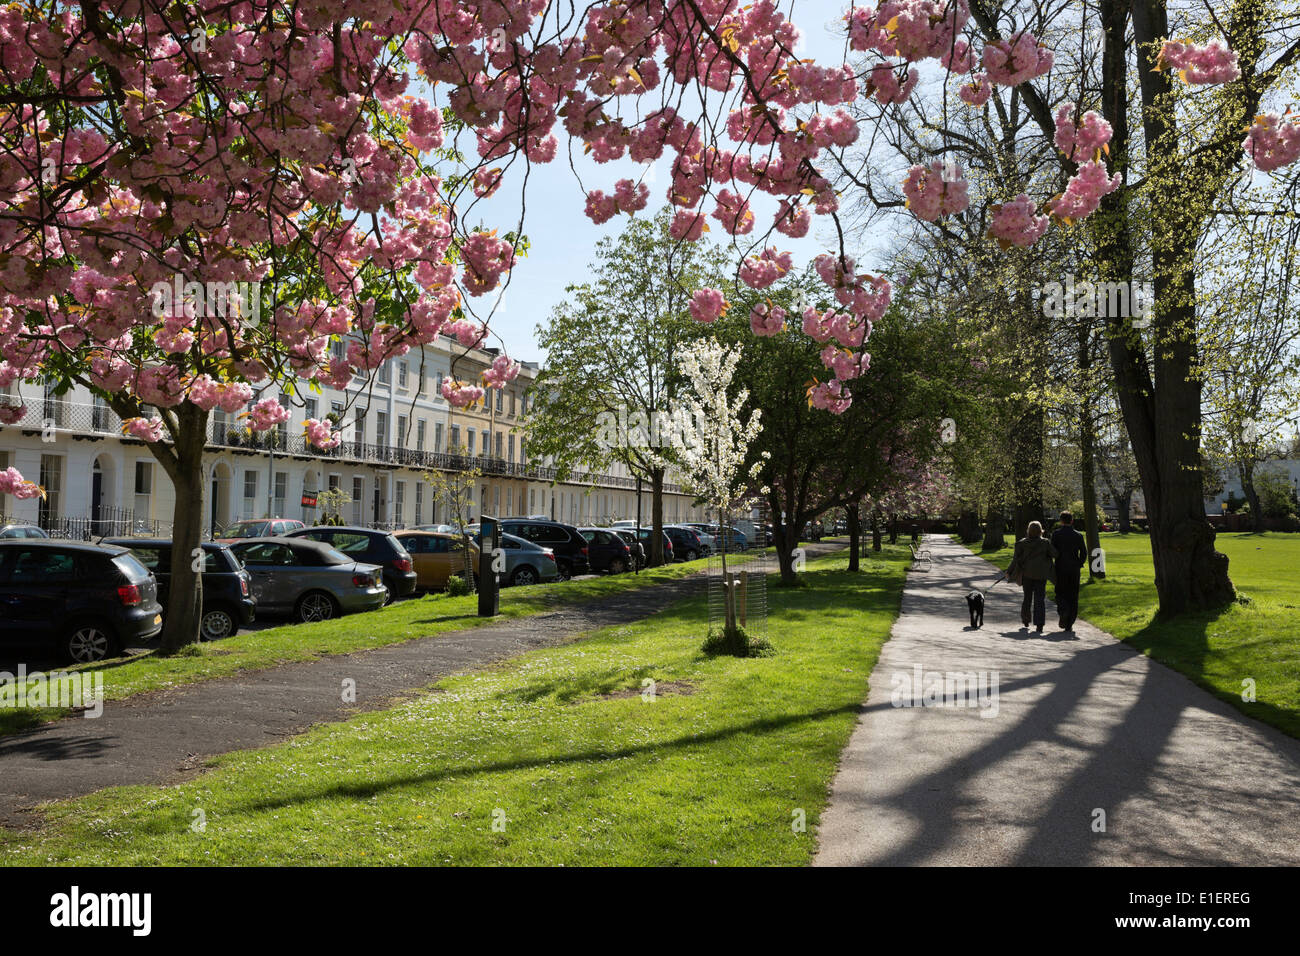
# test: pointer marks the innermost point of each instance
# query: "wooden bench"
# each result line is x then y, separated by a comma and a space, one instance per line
921, 559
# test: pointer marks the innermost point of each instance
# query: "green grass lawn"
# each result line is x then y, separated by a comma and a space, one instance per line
401, 621
557, 743
1258, 638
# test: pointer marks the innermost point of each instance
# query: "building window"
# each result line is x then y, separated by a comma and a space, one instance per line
143, 488
51, 506
282, 429
281, 492
512, 404
455, 439
403, 375
381, 429
470, 442
309, 408
358, 493
497, 450
250, 494
419, 435
399, 502
437, 436
500, 399
512, 448
523, 459
419, 503
386, 374
402, 424
439, 390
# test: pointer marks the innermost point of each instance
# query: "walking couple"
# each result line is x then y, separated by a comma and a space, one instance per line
1059, 559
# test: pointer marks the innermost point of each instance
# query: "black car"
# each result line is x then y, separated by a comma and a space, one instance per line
570, 547
687, 545
89, 601
228, 601
643, 536
369, 546
638, 549
606, 551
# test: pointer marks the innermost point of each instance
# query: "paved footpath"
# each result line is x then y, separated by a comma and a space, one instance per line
1083, 723
166, 736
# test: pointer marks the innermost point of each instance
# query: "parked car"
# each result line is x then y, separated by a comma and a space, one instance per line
606, 551
21, 531
570, 547
437, 556
440, 528
309, 579
687, 545
371, 547
526, 562
228, 602
638, 549
258, 528
732, 538
643, 535
89, 601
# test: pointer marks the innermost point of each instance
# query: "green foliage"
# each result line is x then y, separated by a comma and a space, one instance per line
457, 586
1276, 493
737, 642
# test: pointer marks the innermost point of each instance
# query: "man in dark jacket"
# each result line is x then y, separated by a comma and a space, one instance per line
1071, 556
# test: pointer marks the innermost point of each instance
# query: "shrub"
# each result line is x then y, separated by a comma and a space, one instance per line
457, 586
737, 643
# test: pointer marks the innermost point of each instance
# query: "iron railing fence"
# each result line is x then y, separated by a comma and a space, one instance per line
108, 522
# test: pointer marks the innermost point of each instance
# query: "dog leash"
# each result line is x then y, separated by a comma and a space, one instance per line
998, 580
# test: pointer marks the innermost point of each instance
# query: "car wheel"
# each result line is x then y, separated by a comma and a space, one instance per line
216, 624
692, 555
617, 566
88, 643
524, 574
392, 591
565, 569
316, 606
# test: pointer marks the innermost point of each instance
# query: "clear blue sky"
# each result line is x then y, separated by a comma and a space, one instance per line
563, 239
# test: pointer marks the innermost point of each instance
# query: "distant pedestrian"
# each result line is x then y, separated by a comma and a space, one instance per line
916, 534
1071, 556
1032, 566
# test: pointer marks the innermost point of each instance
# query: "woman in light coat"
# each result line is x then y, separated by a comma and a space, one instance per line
1032, 567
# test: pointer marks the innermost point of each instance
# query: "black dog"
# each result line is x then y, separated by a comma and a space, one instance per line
975, 604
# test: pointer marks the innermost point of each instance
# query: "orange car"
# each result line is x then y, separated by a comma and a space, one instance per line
436, 556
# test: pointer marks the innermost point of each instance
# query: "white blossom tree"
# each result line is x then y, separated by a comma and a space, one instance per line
711, 440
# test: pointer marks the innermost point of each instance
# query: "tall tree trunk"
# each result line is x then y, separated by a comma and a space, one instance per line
855, 534
1088, 478
183, 463
1246, 474
893, 528
994, 538
656, 553
1161, 403
1027, 468
877, 529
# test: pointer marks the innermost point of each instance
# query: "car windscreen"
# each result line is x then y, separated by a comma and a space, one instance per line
246, 529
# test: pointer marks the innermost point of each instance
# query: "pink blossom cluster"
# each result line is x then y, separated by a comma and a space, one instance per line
766, 319
486, 258
911, 29
977, 91
146, 429
1016, 223
845, 363
266, 414
1084, 191
1197, 65
629, 197
886, 88
11, 413
761, 271
322, 434
1082, 140
1016, 60
934, 192
502, 370
13, 483
864, 295
707, 305
1272, 141
830, 396
461, 394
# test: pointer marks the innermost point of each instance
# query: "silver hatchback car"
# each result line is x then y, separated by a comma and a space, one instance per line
309, 579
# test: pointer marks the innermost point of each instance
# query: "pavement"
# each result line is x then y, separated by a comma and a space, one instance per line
167, 736
1090, 753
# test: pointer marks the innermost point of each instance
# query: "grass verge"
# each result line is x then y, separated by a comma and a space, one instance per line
1255, 639
289, 643
559, 756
